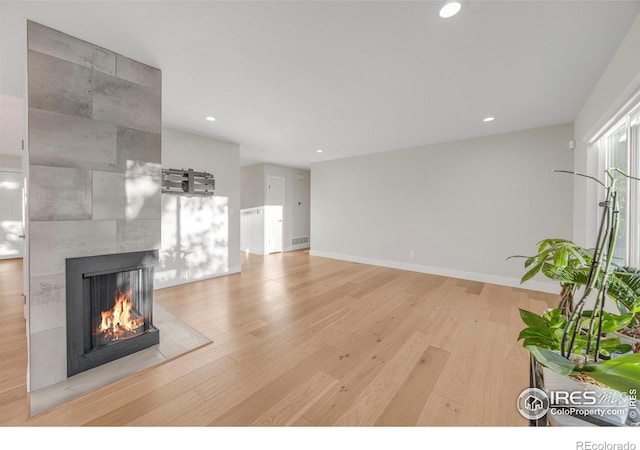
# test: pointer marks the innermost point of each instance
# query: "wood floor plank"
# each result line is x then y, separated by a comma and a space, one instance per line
492, 385
371, 402
302, 422
375, 282
468, 350
258, 403
306, 341
111, 399
406, 406
501, 305
330, 300
439, 411
135, 405
291, 408
359, 363
168, 411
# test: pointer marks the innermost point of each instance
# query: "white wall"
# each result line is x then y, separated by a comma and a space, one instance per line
11, 130
11, 227
11, 135
252, 234
297, 200
252, 192
617, 85
252, 217
297, 203
200, 235
462, 207
11, 244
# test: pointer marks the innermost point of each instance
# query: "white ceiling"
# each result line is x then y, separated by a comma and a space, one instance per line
286, 78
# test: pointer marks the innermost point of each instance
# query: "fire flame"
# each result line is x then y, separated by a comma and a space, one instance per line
121, 321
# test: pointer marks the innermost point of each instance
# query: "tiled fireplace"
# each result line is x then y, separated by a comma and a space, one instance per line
94, 173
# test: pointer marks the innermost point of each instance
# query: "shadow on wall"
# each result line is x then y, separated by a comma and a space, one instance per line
195, 239
142, 189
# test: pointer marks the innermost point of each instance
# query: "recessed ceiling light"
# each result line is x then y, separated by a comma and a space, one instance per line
450, 8
488, 119
319, 150
210, 118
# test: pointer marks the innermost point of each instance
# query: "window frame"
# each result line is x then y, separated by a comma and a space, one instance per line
630, 122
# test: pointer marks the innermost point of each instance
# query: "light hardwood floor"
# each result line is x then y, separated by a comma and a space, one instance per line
307, 341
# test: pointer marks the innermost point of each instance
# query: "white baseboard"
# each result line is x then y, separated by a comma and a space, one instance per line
259, 251
540, 286
254, 251
171, 283
293, 248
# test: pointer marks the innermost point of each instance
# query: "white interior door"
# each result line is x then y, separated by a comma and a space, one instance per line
274, 214
11, 229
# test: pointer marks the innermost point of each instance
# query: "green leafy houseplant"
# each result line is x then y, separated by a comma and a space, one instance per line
579, 336
569, 264
546, 331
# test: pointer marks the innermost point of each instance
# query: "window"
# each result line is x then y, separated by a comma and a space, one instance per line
621, 149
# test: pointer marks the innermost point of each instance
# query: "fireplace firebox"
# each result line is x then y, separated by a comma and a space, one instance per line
109, 308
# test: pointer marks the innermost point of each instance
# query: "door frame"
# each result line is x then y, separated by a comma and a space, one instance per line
266, 186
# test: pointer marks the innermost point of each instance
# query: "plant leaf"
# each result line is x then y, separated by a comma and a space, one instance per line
612, 345
621, 373
555, 318
613, 322
581, 258
532, 319
540, 342
552, 360
532, 332
624, 286
561, 258
531, 272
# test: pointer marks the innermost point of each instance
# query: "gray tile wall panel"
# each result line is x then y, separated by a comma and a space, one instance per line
62, 46
138, 73
68, 141
47, 357
109, 197
57, 85
47, 308
59, 193
136, 146
138, 235
53, 242
127, 104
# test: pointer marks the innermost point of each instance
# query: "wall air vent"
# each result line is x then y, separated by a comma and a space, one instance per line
300, 240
